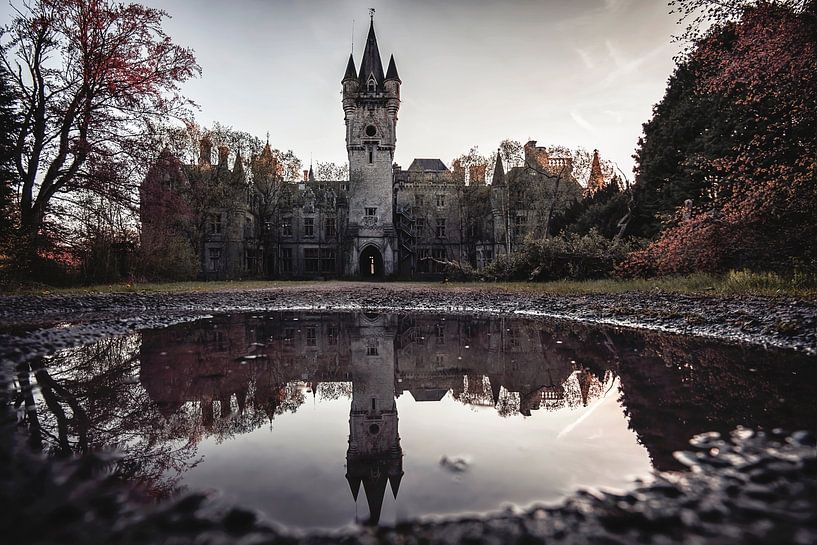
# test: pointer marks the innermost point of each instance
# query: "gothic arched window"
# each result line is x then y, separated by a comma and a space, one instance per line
371, 85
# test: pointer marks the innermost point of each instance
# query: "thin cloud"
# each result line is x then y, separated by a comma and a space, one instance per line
582, 122
586, 58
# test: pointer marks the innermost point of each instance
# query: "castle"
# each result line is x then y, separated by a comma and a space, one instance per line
382, 222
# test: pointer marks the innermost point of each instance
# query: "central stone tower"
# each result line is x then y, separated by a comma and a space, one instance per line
371, 101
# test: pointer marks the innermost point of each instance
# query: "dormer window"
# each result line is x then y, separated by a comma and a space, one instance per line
371, 84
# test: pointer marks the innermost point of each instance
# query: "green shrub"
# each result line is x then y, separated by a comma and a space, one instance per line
572, 256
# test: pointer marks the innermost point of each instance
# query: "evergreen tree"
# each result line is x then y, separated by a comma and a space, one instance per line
673, 159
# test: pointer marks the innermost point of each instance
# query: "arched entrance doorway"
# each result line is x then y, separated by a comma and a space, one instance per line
371, 263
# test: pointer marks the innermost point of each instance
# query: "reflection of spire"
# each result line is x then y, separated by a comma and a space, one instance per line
375, 490
394, 481
354, 485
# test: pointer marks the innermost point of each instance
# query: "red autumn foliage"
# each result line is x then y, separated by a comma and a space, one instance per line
764, 212
92, 77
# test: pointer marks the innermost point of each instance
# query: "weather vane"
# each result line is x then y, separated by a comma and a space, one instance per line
371, 14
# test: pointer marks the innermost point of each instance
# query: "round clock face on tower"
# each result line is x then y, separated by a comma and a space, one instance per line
371, 130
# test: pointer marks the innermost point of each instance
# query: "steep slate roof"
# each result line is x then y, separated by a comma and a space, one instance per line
499, 170
350, 69
428, 165
371, 63
391, 73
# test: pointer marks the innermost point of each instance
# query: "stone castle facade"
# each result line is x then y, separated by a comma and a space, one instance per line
382, 222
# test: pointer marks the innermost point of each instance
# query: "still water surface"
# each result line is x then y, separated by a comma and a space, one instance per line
322, 420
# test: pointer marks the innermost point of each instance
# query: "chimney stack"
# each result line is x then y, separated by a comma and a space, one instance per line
223, 153
205, 151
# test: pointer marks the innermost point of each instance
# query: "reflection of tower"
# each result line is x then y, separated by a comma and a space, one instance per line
374, 456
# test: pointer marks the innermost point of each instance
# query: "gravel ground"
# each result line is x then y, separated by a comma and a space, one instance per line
749, 488
775, 322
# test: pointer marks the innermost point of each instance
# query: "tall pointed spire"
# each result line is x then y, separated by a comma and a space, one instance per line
351, 73
391, 72
371, 65
499, 170
596, 180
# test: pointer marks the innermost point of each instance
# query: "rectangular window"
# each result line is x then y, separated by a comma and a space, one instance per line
419, 199
311, 337
331, 227
286, 227
251, 260
371, 349
438, 253
420, 224
309, 227
440, 227
440, 200
332, 335
215, 224
286, 260
371, 156
214, 261
328, 260
289, 335
371, 211
312, 260
520, 225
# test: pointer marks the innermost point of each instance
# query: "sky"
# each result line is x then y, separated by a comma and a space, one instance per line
562, 72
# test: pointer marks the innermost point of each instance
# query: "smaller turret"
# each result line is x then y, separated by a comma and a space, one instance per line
392, 86
499, 171
238, 169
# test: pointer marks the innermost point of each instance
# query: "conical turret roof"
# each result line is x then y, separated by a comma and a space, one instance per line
499, 170
351, 72
391, 72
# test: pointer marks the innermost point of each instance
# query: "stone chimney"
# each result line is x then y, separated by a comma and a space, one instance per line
476, 174
205, 151
535, 156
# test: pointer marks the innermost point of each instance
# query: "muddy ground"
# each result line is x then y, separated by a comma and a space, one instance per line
775, 322
746, 489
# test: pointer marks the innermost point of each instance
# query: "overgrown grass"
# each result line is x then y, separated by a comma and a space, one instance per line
165, 287
732, 283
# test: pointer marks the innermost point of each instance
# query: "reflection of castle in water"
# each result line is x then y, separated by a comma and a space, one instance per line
242, 365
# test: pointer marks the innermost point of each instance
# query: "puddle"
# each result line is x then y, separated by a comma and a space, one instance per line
320, 420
